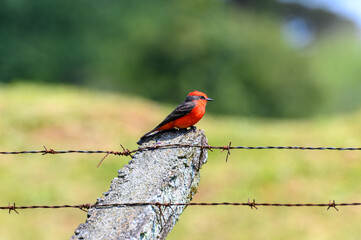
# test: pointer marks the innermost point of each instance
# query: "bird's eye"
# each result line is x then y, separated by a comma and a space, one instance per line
202, 97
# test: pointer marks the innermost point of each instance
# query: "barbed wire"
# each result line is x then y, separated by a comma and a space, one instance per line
252, 204
127, 152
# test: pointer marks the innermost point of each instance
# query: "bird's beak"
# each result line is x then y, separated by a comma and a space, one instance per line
209, 99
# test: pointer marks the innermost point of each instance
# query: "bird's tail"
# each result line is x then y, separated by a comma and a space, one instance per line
146, 135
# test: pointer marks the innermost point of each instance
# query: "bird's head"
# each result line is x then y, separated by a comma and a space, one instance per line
198, 96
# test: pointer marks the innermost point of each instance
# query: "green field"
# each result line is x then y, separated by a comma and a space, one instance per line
62, 117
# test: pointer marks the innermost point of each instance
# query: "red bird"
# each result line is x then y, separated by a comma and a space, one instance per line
185, 115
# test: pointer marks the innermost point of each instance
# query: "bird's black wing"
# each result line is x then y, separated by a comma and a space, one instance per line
183, 109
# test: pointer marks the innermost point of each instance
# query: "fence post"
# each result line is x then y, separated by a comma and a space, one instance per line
169, 175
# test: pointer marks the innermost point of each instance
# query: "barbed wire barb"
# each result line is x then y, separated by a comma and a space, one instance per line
106, 155
252, 204
126, 152
50, 151
228, 151
332, 204
12, 208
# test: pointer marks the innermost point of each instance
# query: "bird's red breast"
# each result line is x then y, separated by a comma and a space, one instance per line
188, 120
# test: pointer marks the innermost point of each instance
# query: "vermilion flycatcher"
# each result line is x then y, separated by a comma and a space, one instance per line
185, 115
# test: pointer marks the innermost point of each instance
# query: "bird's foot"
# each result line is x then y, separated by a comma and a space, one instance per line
193, 128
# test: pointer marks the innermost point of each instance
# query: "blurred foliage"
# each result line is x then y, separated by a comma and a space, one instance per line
163, 50
336, 64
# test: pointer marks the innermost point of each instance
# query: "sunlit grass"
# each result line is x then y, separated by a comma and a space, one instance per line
62, 117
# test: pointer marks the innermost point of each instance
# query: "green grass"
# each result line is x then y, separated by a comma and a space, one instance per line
62, 117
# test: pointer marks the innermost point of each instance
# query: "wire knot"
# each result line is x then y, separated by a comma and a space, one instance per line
206, 146
228, 150
332, 204
126, 151
12, 208
50, 151
252, 204
85, 207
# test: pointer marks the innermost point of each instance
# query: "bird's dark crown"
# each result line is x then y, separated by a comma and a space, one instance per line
194, 98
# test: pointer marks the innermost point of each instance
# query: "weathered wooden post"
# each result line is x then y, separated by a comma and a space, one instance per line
165, 175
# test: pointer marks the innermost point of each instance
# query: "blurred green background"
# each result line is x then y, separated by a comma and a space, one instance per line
263, 58
94, 74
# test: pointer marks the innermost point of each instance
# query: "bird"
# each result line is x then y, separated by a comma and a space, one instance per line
187, 114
